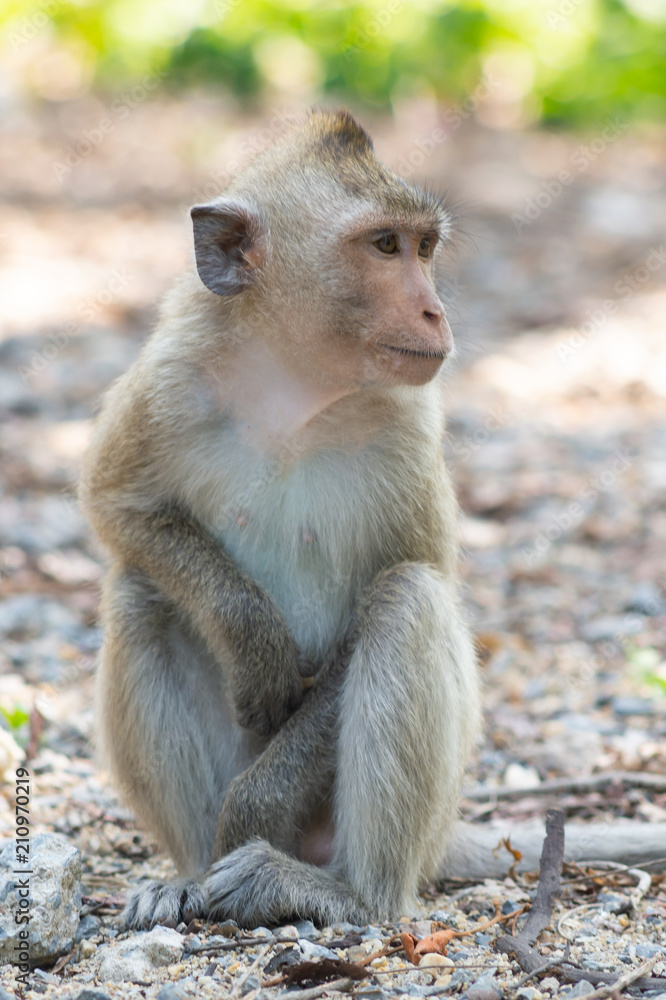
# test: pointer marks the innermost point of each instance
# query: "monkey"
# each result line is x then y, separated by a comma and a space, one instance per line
288, 691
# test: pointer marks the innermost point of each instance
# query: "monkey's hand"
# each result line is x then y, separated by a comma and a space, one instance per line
268, 685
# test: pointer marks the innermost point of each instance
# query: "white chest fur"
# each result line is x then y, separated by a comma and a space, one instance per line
313, 532
311, 535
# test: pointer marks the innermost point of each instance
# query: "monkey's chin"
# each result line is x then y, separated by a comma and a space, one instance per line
410, 370
404, 366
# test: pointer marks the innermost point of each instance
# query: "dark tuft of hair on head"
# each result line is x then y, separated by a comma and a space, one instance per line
341, 132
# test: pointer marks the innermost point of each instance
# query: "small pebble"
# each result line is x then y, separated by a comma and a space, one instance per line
172, 991
581, 989
312, 950
306, 929
87, 949
251, 983
434, 959
647, 949
372, 932
88, 927
228, 929
286, 933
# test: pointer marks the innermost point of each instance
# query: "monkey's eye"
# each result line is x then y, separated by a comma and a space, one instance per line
425, 247
387, 244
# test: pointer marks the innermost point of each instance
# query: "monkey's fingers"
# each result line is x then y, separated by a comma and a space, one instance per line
306, 669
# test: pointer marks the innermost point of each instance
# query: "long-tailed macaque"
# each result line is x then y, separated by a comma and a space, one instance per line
288, 693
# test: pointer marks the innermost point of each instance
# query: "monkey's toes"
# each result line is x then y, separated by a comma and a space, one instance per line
241, 886
166, 903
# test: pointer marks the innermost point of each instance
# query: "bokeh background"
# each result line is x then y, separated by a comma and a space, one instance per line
543, 120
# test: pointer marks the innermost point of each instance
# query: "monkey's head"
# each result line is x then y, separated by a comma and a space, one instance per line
322, 250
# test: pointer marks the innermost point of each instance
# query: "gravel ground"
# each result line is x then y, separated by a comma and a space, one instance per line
556, 441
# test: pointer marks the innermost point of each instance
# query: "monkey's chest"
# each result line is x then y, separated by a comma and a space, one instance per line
313, 536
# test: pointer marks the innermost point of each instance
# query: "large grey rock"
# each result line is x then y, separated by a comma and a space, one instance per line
54, 885
137, 958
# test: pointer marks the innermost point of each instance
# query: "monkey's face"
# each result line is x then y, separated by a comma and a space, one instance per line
328, 255
391, 324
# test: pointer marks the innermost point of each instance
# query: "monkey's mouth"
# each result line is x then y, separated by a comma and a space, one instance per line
439, 355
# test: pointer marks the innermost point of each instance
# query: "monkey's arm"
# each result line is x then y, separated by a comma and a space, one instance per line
239, 622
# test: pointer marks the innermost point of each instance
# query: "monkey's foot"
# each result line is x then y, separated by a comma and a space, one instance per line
258, 884
169, 903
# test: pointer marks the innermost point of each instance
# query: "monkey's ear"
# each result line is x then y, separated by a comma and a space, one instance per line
227, 246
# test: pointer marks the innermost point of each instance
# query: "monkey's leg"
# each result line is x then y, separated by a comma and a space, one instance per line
169, 737
408, 713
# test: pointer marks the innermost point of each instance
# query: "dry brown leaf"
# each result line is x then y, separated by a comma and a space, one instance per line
409, 943
434, 944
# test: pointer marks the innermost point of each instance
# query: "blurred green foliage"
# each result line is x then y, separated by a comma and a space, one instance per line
568, 61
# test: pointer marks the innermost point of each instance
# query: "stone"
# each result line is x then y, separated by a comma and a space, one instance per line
628, 705
612, 903
251, 984
521, 776
47, 977
227, 929
463, 977
344, 927
162, 945
306, 929
483, 939
87, 949
286, 933
312, 950
611, 626
54, 901
647, 949
137, 958
372, 932
88, 927
172, 991
435, 960
87, 994
646, 599
483, 988
581, 989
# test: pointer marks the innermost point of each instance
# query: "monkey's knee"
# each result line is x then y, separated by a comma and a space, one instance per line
406, 596
411, 612
160, 715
